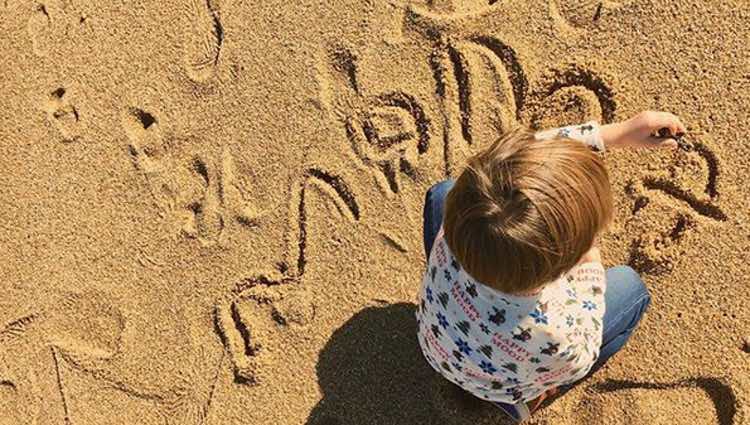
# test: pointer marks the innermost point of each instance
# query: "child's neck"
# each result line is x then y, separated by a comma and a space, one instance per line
530, 293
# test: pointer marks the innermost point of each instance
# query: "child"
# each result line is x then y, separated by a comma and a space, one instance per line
515, 301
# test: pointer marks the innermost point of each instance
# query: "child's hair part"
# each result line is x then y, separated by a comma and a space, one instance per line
524, 211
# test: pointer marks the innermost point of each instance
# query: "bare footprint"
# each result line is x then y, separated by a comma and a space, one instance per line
460, 6
694, 400
63, 114
452, 8
252, 327
85, 327
203, 40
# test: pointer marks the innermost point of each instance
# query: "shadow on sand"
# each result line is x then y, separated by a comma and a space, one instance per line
372, 371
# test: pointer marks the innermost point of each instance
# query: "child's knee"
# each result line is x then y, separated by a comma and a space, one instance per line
625, 275
439, 190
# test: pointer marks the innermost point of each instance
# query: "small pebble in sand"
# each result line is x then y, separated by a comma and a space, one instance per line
746, 344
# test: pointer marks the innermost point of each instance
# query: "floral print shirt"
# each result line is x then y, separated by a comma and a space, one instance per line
506, 348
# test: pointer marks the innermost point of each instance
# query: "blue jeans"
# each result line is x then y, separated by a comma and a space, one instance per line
626, 297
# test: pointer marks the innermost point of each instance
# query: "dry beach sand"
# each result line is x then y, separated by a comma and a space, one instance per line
212, 209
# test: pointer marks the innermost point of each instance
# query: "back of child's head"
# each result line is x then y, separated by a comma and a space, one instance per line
524, 211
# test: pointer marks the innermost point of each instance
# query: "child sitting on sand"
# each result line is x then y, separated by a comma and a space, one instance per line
515, 301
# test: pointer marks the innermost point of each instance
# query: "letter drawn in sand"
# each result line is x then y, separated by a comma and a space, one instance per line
484, 91
388, 131
204, 38
260, 309
685, 196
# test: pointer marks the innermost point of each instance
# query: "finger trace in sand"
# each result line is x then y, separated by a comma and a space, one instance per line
481, 88
380, 135
584, 13
292, 267
204, 38
495, 84
655, 252
576, 75
704, 208
387, 131
252, 324
657, 246
699, 400
60, 387
240, 328
513, 70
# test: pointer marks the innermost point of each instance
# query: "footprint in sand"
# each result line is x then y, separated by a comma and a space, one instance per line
19, 402
51, 21
58, 361
670, 205
82, 327
39, 28
203, 40
704, 401
189, 182
253, 327
63, 114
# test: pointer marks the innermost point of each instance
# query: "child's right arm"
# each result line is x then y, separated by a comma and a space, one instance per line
588, 133
637, 131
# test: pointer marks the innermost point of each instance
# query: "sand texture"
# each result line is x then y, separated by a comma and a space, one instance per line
212, 209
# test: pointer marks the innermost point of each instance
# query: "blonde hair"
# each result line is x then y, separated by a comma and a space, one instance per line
524, 211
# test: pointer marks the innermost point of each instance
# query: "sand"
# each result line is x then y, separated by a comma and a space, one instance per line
212, 209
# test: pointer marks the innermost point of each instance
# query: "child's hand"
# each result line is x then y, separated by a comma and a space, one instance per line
641, 130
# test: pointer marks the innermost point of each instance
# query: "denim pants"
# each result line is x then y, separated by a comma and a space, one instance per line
626, 297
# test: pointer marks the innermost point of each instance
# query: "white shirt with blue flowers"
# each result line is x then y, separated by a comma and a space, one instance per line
507, 348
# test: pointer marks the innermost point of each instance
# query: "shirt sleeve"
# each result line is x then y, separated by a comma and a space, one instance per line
588, 133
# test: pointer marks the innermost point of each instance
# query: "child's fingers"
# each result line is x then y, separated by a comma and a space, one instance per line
662, 141
671, 121
669, 143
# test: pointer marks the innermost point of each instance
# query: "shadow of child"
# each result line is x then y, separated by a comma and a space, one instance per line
372, 371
